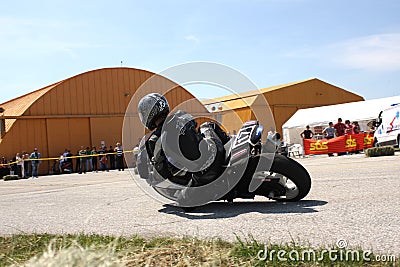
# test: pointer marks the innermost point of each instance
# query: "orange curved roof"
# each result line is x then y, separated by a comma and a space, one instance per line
253, 92
265, 90
17, 106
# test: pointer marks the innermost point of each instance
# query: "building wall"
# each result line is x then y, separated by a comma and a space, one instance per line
233, 120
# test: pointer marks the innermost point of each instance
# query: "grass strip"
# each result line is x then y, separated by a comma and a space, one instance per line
99, 250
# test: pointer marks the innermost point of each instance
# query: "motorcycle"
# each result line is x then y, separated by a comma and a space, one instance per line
252, 168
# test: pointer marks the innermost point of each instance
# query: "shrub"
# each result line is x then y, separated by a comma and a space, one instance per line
10, 177
379, 151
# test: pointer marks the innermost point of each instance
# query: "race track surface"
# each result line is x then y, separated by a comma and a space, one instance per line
353, 198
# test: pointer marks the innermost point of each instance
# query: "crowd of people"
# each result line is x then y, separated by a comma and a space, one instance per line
334, 130
22, 164
89, 159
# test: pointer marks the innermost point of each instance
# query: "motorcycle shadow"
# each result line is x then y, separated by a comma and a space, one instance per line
219, 209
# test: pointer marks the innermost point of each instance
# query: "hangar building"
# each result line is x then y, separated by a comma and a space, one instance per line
283, 100
85, 110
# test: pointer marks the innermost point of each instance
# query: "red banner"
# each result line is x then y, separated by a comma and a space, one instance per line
345, 143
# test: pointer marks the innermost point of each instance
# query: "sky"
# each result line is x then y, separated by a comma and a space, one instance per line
351, 44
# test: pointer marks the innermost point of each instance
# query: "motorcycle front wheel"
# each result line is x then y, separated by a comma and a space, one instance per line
293, 176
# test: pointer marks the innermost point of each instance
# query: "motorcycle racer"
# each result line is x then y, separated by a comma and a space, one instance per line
177, 150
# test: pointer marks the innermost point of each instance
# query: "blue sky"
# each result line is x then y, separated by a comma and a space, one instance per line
352, 44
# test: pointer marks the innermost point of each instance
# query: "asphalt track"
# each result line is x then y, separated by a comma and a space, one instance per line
353, 198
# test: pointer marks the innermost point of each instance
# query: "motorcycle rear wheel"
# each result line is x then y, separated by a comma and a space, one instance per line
296, 173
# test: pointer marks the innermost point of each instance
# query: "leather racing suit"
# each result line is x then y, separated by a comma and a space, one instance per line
184, 155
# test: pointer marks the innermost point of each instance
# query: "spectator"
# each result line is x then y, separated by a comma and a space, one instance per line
4, 167
103, 158
35, 162
340, 127
78, 162
329, 133
13, 166
356, 127
356, 130
20, 164
61, 160
82, 157
68, 157
89, 166
25, 160
119, 156
307, 133
274, 138
282, 146
65, 162
349, 127
111, 158
94, 159
371, 129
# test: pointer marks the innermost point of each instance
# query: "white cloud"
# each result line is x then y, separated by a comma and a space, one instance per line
27, 38
378, 52
374, 52
192, 38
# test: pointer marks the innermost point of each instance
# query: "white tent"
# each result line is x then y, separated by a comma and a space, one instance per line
361, 111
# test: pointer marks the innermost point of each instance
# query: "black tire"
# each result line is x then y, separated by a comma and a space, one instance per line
295, 172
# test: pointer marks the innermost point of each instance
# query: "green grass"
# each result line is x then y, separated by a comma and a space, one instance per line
97, 250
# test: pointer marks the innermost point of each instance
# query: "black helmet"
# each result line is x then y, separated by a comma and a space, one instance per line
152, 107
